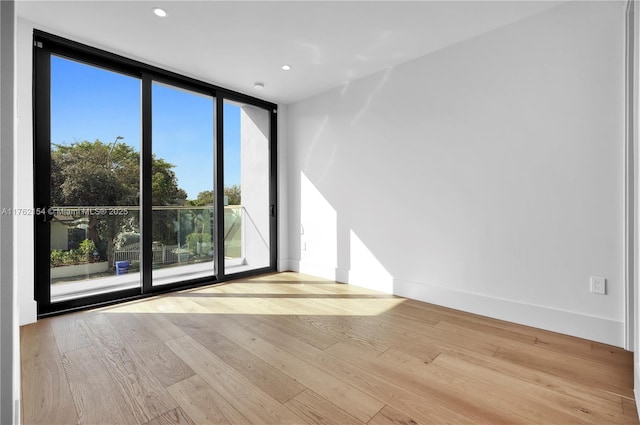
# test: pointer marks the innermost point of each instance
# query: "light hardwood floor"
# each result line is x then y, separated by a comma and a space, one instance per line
292, 349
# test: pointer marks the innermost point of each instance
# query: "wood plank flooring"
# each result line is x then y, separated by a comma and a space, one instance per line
293, 349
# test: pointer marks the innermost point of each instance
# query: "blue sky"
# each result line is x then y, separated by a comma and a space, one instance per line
88, 103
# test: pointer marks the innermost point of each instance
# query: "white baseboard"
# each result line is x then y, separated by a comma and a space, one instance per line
343, 276
312, 269
319, 270
566, 322
334, 273
580, 325
28, 312
371, 280
284, 264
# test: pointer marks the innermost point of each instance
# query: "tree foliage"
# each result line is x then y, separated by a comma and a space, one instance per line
84, 173
233, 194
203, 198
95, 174
164, 184
206, 197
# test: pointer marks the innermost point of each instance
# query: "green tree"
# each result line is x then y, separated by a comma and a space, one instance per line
95, 174
233, 194
204, 198
165, 192
164, 184
83, 175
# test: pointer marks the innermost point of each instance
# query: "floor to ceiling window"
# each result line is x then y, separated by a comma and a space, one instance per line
94, 198
247, 212
182, 184
134, 193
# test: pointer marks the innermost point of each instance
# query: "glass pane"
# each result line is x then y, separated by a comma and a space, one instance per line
95, 180
182, 185
246, 187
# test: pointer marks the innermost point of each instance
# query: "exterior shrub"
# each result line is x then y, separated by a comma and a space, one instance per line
82, 254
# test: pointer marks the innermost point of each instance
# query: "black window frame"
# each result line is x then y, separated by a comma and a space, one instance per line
45, 45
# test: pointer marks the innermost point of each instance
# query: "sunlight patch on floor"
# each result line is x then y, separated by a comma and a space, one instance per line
268, 299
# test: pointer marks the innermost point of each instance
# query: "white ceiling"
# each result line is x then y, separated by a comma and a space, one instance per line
237, 43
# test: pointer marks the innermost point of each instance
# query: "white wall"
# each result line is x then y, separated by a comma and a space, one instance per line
283, 200
633, 67
487, 176
254, 172
9, 332
23, 173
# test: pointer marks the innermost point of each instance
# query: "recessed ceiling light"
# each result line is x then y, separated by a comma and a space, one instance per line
286, 67
160, 12
258, 86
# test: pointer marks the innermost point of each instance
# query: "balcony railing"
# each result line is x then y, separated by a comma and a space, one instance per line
182, 234
179, 251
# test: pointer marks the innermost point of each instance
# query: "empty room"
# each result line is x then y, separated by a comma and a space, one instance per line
319, 212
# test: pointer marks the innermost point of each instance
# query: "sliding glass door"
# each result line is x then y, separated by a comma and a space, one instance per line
133, 193
182, 182
247, 167
94, 160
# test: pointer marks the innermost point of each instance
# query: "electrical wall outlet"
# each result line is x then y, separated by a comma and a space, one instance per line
598, 285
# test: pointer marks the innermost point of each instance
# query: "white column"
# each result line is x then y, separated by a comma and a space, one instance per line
254, 151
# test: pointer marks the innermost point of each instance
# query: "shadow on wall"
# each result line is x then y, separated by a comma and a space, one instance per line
465, 177
327, 245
